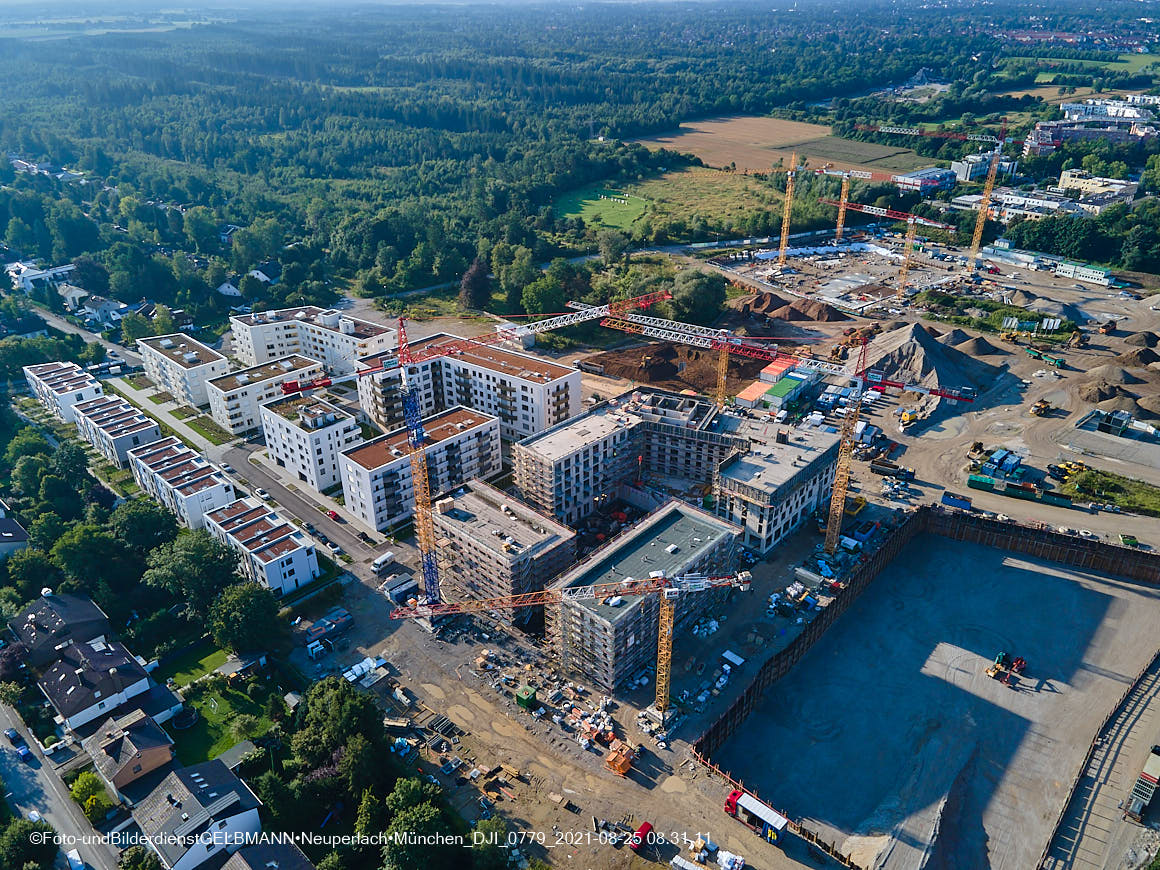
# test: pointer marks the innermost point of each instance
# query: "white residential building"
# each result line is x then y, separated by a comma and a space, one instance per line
59, 386
526, 393
337, 340
181, 366
306, 435
114, 427
182, 480
273, 552
376, 476
234, 399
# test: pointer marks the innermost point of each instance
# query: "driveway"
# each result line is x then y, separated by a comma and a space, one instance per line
36, 786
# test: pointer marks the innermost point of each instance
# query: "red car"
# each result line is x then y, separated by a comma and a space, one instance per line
333, 515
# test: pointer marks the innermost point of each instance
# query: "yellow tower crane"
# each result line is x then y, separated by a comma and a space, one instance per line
985, 202
785, 214
845, 455
907, 258
843, 199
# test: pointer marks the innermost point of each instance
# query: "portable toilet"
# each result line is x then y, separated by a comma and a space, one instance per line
526, 697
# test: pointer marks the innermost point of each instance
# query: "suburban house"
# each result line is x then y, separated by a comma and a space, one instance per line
229, 287
13, 537
72, 295
92, 679
102, 310
27, 275
195, 814
126, 749
268, 272
53, 621
268, 856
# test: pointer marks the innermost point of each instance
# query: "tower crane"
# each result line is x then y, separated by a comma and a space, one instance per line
893, 214
844, 197
985, 203
668, 588
787, 210
907, 257
412, 413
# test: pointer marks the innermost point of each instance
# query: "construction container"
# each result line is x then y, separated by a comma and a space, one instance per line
526, 697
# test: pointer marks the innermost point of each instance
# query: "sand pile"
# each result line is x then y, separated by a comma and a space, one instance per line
1120, 403
954, 338
1137, 358
1142, 339
677, 367
1022, 298
1095, 392
891, 325
1149, 405
1066, 310
1111, 374
977, 347
808, 309
766, 302
913, 355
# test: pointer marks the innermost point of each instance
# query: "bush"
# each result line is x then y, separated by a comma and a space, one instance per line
97, 808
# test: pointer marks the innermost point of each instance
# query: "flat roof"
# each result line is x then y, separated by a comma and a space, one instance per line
644, 549
63, 377
770, 465
180, 348
506, 362
149, 453
299, 407
274, 368
478, 509
587, 428
311, 314
439, 427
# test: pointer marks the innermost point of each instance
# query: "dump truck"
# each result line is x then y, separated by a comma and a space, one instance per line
886, 468
1034, 353
335, 622
1107, 327
1144, 788
1041, 408
761, 818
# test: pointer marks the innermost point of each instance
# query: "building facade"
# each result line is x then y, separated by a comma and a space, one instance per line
235, 398
491, 544
182, 480
181, 366
335, 339
59, 386
307, 435
611, 641
273, 552
114, 427
376, 476
526, 393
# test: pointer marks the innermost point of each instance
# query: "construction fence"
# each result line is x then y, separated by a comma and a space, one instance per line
1037, 542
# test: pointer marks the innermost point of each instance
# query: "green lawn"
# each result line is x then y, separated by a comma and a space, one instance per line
209, 430
212, 734
160, 398
183, 413
597, 204
1125, 492
190, 665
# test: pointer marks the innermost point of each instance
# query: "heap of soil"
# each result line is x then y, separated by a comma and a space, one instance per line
977, 347
1149, 405
677, 367
913, 355
1139, 357
1110, 374
954, 338
1022, 298
809, 309
766, 302
1095, 392
1142, 339
1121, 403
891, 325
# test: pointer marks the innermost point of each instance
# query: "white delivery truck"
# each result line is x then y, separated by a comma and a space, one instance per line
382, 562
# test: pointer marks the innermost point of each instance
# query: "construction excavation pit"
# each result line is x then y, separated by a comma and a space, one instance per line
898, 739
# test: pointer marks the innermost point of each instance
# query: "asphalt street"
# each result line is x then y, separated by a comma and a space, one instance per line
36, 786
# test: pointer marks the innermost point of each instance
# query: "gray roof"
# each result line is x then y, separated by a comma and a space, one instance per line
269, 856
187, 803
119, 741
54, 620
88, 672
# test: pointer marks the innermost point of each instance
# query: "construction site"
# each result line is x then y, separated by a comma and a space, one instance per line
747, 569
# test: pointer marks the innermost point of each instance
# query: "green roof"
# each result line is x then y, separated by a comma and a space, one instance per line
784, 387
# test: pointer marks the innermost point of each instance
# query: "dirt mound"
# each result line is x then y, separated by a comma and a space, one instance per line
1142, 339
809, 309
913, 355
1099, 391
1120, 403
677, 367
891, 325
1022, 298
1111, 374
766, 302
1140, 357
1150, 405
954, 338
977, 347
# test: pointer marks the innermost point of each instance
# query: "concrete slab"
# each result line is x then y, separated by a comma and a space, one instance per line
889, 735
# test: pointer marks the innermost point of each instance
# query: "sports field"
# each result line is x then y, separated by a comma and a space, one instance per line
759, 144
717, 197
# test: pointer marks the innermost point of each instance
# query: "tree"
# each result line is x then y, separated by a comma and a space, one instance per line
31, 570
244, 617
85, 786
163, 323
10, 693
195, 568
408, 841
11, 658
475, 288
369, 819
139, 858
26, 442
87, 552
334, 711
70, 461
21, 850
409, 793
201, 228
612, 244
90, 275
359, 764
27, 473
142, 524
245, 726
543, 296
45, 531
134, 326
252, 287
491, 851
698, 297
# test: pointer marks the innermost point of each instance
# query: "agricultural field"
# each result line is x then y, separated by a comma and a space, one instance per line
1129, 63
757, 144
682, 196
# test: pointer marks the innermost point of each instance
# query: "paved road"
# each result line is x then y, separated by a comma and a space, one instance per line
36, 786
57, 322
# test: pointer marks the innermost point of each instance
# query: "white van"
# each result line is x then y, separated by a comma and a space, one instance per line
382, 562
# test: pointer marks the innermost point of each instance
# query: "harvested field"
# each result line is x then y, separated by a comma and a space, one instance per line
676, 367
757, 144
890, 724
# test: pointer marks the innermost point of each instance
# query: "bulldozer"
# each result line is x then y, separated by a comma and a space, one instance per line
1041, 408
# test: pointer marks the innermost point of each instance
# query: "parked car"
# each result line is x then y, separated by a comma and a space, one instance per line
322, 539
333, 547
13, 736
227, 468
308, 526
74, 860
262, 494
24, 753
